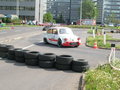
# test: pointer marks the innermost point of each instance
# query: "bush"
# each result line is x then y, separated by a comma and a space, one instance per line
102, 78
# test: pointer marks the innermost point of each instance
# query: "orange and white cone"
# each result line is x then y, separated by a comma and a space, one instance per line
80, 43
95, 45
12, 27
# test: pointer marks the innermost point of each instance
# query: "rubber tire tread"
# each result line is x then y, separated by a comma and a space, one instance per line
31, 62
31, 55
20, 53
5, 48
64, 59
46, 64
79, 62
47, 57
80, 68
11, 52
62, 67
19, 59
3, 54
11, 57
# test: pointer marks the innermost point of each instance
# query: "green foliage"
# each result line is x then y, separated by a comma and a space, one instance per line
48, 17
60, 19
99, 39
102, 78
6, 20
16, 21
89, 10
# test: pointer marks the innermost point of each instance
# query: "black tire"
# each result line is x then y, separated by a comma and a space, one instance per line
11, 57
20, 53
47, 57
19, 59
64, 59
45, 40
31, 54
80, 68
31, 62
11, 52
46, 64
79, 62
5, 48
62, 67
59, 42
3, 54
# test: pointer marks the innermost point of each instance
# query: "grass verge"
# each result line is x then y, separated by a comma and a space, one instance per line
2, 28
99, 39
102, 78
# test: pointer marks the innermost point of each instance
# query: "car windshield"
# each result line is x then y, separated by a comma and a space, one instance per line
65, 31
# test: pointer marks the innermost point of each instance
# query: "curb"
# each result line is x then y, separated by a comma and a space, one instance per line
82, 82
100, 47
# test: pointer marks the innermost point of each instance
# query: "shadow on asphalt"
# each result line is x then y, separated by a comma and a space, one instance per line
36, 67
50, 45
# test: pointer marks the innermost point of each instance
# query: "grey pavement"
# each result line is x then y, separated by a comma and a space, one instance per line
16, 76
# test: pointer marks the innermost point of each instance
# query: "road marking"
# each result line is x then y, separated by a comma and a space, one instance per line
17, 38
28, 46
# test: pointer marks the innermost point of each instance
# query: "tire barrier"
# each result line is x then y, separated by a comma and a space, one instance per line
31, 58
46, 60
64, 62
80, 65
4, 50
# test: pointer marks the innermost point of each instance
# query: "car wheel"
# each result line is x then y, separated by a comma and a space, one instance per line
45, 41
59, 43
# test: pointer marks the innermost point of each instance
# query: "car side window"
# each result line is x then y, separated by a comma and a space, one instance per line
62, 31
55, 31
49, 31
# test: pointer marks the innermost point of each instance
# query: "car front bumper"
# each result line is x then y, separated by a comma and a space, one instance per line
71, 44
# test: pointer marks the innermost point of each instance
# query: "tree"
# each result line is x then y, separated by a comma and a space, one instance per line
48, 17
89, 11
60, 19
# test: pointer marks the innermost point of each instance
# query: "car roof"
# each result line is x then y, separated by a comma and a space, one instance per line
61, 27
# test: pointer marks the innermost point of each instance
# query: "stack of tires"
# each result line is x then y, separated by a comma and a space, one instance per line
11, 54
19, 55
80, 65
64, 62
4, 50
31, 58
47, 60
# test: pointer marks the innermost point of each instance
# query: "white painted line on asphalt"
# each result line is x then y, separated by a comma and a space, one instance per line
28, 46
17, 38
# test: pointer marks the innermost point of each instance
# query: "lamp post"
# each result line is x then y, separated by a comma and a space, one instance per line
70, 12
17, 7
80, 11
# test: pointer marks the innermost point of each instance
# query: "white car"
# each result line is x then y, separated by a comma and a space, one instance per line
61, 36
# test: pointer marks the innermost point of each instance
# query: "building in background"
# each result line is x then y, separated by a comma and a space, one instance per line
25, 9
109, 11
70, 9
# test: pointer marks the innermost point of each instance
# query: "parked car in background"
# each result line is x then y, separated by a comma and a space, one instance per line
111, 24
61, 36
45, 28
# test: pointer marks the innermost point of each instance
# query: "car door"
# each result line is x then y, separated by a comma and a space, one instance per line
55, 35
49, 35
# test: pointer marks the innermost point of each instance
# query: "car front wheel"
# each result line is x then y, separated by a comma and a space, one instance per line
59, 43
45, 41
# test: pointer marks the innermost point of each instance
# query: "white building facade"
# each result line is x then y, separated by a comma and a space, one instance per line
25, 9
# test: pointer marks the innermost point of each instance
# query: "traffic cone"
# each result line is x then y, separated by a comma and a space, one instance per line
80, 43
95, 45
12, 27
